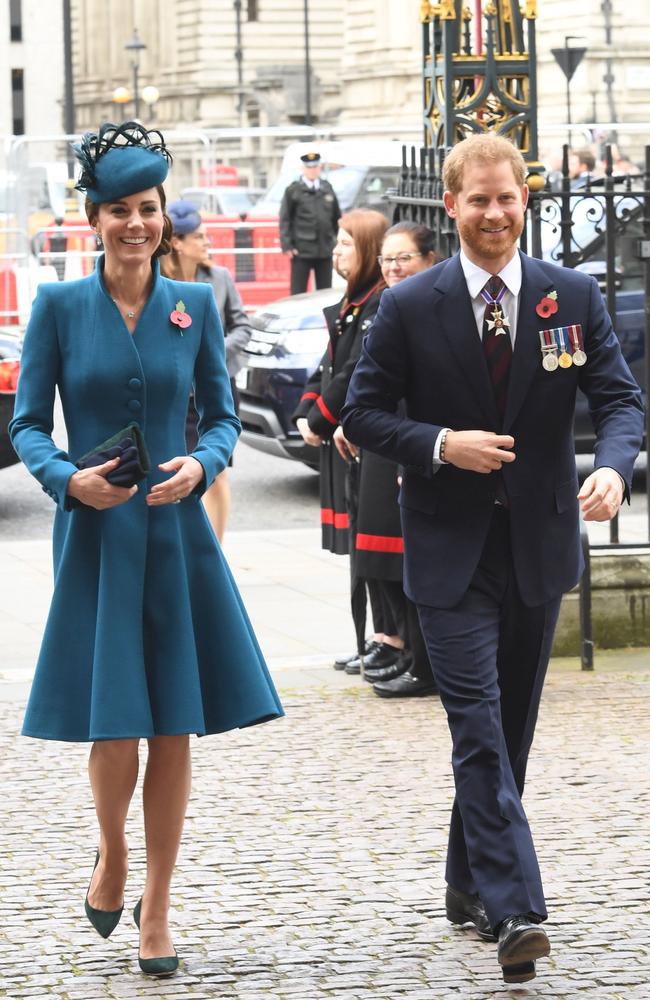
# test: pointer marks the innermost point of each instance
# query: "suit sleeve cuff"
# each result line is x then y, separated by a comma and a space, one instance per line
437, 461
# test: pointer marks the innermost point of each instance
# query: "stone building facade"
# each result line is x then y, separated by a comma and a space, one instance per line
31, 38
365, 64
190, 57
612, 83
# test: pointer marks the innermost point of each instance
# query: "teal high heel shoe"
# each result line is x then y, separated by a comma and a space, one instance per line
154, 966
104, 921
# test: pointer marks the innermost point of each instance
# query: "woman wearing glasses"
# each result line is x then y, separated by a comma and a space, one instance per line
407, 248
189, 260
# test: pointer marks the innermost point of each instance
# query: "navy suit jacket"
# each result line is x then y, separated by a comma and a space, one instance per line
424, 347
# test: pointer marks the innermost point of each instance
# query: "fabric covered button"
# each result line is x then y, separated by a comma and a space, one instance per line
135, 383
134, 405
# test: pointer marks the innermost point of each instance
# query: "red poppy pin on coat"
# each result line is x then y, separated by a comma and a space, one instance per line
547, 306
180, 317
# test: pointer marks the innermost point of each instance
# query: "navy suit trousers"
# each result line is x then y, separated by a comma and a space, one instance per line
489, 656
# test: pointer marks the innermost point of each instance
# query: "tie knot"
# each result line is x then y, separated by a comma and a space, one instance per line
494, 285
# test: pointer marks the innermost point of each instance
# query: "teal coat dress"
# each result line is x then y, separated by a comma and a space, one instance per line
147, 634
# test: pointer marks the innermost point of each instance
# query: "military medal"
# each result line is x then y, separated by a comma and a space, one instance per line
550, 360
579, 356
565, 360
497, 320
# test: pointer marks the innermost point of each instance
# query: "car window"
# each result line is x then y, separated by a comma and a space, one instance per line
235, 202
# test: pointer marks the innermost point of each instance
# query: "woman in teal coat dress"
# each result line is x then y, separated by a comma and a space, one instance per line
147, 636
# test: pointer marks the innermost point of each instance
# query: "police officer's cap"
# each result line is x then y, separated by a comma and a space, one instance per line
311, 159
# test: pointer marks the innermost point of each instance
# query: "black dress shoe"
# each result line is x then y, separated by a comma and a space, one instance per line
463, 908
353, 666
381, 656
387, 673
342, 661
521, 943
405, 686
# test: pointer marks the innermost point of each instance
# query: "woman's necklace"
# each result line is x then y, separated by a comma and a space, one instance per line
129, 313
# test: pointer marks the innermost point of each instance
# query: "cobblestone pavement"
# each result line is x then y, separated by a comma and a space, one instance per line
312, 860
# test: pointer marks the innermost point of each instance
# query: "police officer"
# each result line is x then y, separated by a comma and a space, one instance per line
309, 216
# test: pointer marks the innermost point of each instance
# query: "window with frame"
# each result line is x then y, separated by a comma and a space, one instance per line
18, 101
16, 20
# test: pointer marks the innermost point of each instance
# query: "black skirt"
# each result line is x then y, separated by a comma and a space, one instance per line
334, 510
378, 541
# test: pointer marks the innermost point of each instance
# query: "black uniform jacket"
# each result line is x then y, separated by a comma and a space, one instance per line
309, 219
321, 403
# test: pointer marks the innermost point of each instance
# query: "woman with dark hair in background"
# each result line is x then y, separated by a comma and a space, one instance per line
146, 637
189, 260
407, 248
355, 255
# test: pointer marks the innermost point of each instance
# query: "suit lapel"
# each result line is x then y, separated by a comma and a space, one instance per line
459, 329
526, 356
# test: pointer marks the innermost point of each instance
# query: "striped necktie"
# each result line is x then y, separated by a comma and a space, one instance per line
497, 346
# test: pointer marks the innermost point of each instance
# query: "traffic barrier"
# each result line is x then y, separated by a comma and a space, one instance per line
9, 315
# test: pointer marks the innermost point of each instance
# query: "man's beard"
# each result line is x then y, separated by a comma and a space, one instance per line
488, 246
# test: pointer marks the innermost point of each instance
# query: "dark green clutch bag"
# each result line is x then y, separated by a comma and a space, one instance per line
129, 445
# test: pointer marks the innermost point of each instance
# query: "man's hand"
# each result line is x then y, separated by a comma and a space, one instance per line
345, 448
188, 474
290, 253
92, 488
601, 495
478, 451
308, 435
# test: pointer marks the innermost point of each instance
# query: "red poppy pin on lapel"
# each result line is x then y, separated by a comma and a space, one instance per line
180, 317
547, 306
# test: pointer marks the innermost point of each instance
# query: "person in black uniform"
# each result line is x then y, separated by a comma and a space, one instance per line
309, 217
407, 248
316, 416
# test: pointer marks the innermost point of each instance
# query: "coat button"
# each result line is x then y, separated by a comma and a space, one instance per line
135, 383
134, 405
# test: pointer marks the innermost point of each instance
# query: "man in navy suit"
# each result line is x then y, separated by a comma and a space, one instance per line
488, 349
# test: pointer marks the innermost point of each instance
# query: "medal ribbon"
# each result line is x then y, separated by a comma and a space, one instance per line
547, 340
562, 339
496, 301
575, 333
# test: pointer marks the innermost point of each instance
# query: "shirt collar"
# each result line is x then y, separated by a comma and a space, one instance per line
476, 277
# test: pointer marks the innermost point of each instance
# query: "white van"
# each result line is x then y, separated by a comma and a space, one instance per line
360, 171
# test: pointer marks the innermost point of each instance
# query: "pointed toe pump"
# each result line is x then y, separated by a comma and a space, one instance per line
166, 966
104, 921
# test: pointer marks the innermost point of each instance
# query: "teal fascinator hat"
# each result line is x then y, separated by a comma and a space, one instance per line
120, 160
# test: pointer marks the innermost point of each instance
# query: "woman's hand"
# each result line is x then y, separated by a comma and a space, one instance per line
92, 488
345, 448
189, 473
308, 435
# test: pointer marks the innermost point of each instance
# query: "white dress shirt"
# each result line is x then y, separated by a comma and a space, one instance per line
476, 279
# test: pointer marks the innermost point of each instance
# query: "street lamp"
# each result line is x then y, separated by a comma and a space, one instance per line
307, 67
136, 46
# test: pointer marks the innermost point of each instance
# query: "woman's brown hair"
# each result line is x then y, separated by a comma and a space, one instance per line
367, 229
165, 245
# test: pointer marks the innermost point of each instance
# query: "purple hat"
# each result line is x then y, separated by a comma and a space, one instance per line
184, 216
